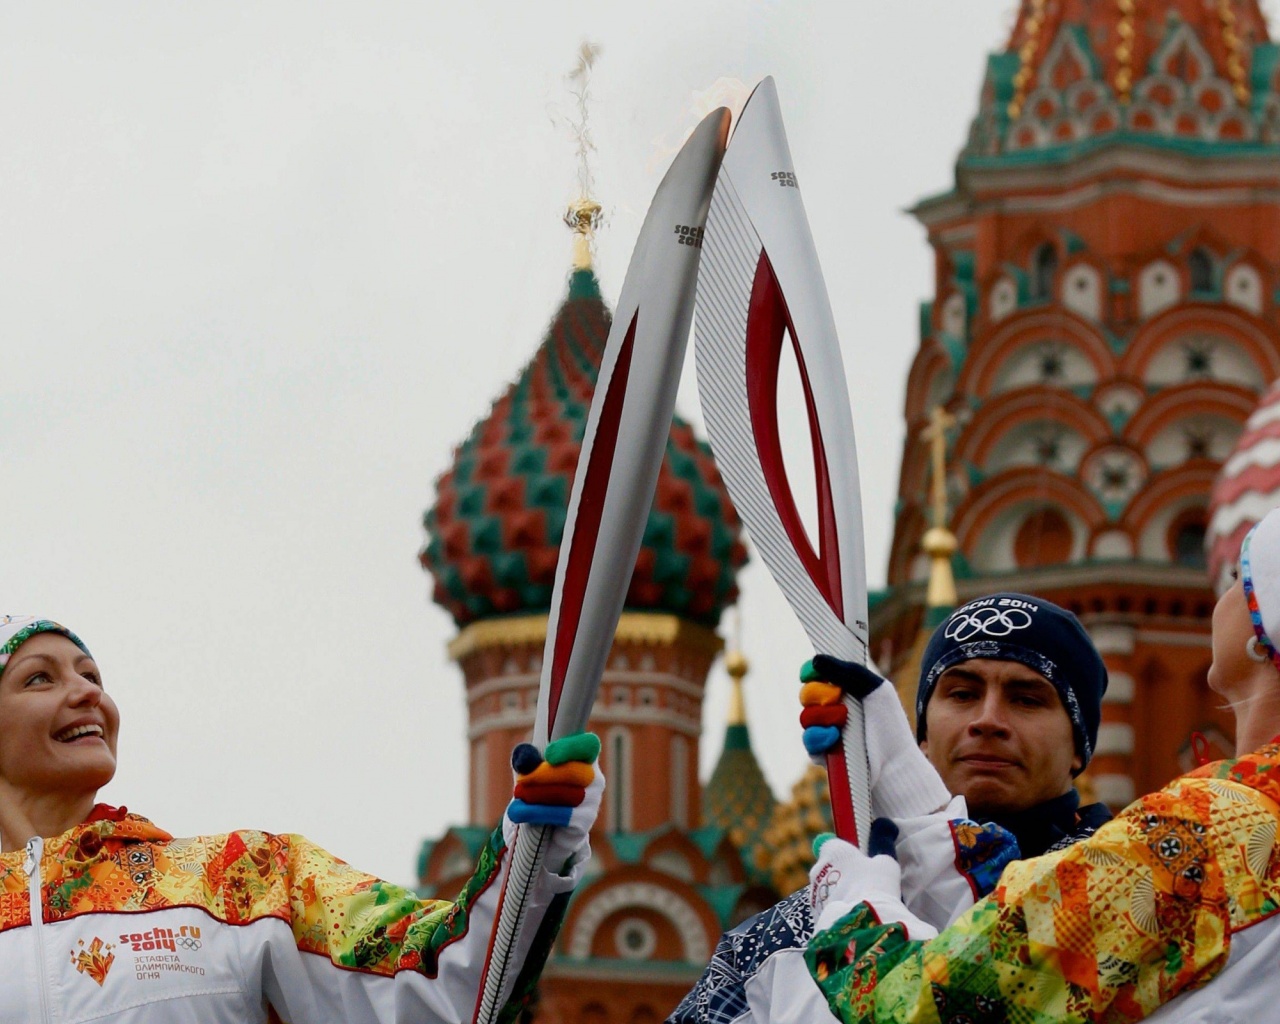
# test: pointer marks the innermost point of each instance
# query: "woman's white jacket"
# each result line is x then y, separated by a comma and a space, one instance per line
117, 921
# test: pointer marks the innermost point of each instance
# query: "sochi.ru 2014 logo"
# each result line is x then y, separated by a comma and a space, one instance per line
96, 960
159, 939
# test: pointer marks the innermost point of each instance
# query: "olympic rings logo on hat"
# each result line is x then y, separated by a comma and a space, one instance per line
987, 621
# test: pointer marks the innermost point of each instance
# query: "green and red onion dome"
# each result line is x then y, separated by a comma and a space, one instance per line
1247, 488
494, 531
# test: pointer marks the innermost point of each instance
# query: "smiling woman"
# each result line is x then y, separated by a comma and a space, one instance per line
58, 739
105, 917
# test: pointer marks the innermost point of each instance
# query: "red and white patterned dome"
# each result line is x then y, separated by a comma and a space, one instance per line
1247, 488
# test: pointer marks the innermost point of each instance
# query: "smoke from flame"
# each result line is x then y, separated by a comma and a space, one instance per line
579, 79
723, 92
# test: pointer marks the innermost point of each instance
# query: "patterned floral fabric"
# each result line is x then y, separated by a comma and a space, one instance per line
720, 995
1108, 929
982, 853
354, 919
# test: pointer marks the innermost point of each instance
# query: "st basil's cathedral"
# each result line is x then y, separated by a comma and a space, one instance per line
1087, 420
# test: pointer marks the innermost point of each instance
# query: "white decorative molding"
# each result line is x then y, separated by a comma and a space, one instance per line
1114, 738
1082, 291
954, 316
673, 863
635, 939
1120, 688
1116, 790
1112, 637
694, 939
1119, 399
1004, 298
1175, 639
662, 680
1159, 287
1115, 170
1113, 544
1243, 287
684, 724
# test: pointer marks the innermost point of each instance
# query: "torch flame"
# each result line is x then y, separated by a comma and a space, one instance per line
723, 92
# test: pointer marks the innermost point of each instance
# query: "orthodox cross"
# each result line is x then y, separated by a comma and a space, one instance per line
940, 421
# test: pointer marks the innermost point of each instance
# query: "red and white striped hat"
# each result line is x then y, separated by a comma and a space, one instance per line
1248, 487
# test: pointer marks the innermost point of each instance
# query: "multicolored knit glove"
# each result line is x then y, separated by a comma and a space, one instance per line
903, 782
561, 788
824, 682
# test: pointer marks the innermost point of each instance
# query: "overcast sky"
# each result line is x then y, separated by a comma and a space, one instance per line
263, 264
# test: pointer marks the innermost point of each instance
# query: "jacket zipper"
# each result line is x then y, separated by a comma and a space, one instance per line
35, 847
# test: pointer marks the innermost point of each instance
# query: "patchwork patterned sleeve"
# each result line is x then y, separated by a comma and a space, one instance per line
721, 994
1108, 929
359, 948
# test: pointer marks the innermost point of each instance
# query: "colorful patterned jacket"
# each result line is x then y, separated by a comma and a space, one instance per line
1131, 924
123, 923
758, 974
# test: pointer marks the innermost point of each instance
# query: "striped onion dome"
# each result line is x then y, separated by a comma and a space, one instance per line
493, 534
1247, 488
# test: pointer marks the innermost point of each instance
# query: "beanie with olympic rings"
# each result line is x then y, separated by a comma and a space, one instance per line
1033, 632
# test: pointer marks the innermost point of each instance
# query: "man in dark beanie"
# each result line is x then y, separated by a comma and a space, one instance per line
1007, 711
1008, 706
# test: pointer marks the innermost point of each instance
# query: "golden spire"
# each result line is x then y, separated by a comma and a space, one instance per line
584, 214
939, 543
735, 663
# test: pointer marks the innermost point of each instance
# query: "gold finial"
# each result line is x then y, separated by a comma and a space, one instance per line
584, 215
939, 543
735, 663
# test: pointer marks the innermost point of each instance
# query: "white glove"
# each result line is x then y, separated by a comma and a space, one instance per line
844, 877
903, 782
571, 844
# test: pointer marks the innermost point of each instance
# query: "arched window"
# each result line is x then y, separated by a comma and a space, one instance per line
618, 771
480, 781
679, 781
1200, 265
1043, 269
1186, 539
1044, 538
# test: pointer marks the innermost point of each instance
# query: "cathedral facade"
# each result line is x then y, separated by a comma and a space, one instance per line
1104, 323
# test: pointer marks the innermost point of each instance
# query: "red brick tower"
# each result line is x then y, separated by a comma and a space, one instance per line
1103, 323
